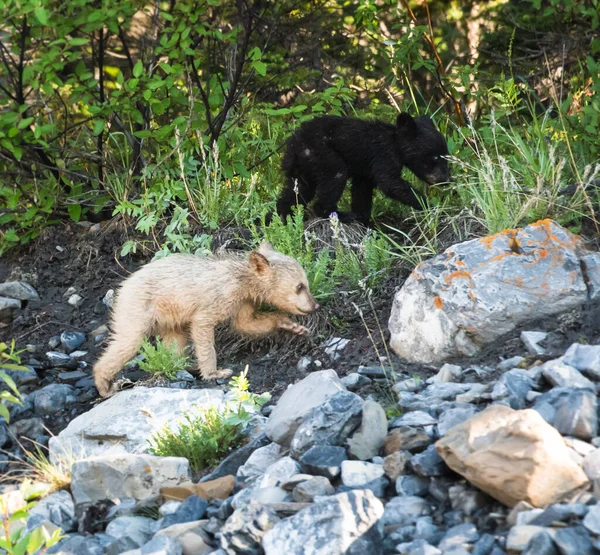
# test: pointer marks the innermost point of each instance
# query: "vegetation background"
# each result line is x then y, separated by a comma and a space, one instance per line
172, 115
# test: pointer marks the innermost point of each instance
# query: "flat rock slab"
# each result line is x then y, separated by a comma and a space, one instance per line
477, 291
125, 422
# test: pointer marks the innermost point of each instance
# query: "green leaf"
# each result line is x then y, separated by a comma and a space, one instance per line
78, 42
99, 126
75, 212
4, 412
260, 67
41, 14
138, 68
36, 540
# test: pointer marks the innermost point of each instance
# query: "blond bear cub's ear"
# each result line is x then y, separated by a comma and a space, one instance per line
258, 263
265, 247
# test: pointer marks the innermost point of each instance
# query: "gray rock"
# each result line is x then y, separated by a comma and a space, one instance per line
53, 398
590, 263
121, 476
374, 372
328, 424
7, 308
592, 520
414, 418
369, 439
73, 376
591, 465
452, 417
412, 485
190, 510
559, 512
463, 535
428, 463
59, 509
573, 541
409, 439
162, 545
359, 473
245, 528
19, 290
519, 536
410, 384
467, 500
306, 491
324, 460
230, 465
75, 544
344, 524
71, 340
560, 375
531, 340
30, 428
121, 424
447, 373
355, 381
513, 387
130, 532
297, 401
405, 510
75, 299
585, 358
571, 411
483, 545
257, 463
334, 346
60, 360
541, 544
477, 291
421, 547
509, 363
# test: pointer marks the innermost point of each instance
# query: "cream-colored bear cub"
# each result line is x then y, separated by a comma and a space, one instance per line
183, 295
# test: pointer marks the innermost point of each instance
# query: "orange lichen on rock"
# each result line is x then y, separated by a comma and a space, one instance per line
457, 274
438, 302
487, 241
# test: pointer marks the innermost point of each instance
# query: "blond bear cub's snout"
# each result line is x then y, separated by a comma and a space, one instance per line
183, 297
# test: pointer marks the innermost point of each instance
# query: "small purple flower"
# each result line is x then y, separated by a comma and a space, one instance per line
333, 215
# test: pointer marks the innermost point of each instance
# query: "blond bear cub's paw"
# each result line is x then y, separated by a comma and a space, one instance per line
293, 327
103, 386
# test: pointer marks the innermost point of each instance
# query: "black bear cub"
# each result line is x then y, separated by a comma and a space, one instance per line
327, 151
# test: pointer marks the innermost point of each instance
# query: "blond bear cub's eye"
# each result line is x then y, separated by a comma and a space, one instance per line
299, 288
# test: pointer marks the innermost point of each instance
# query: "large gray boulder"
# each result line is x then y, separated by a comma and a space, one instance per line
297, 401
477, 291
347, 523
125, 422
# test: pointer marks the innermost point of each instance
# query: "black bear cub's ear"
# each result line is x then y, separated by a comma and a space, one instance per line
406, 123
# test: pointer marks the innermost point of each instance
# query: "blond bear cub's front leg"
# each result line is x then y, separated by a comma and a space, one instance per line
203, 338
284, 323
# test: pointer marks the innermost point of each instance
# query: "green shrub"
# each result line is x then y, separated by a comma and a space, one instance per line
15, 541
9, 360
205, 435
162, 360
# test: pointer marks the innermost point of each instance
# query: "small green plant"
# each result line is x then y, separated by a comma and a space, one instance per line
162, 360
205, 435
15, 541
9, 360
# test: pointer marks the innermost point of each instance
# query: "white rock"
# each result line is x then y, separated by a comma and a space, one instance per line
75, 300
447, 373
531, 340
125, 422
333, 347
345, 524
561, 375
258, 462
359, 473
125, 476
479, 290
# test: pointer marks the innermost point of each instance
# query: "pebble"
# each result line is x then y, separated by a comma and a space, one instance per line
71, 340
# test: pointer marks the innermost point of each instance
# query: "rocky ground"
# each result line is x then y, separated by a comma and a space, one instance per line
463, 468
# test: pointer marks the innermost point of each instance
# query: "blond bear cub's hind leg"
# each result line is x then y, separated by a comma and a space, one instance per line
203, 338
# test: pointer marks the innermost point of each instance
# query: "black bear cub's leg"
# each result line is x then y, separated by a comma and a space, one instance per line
362, 201
331, 176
